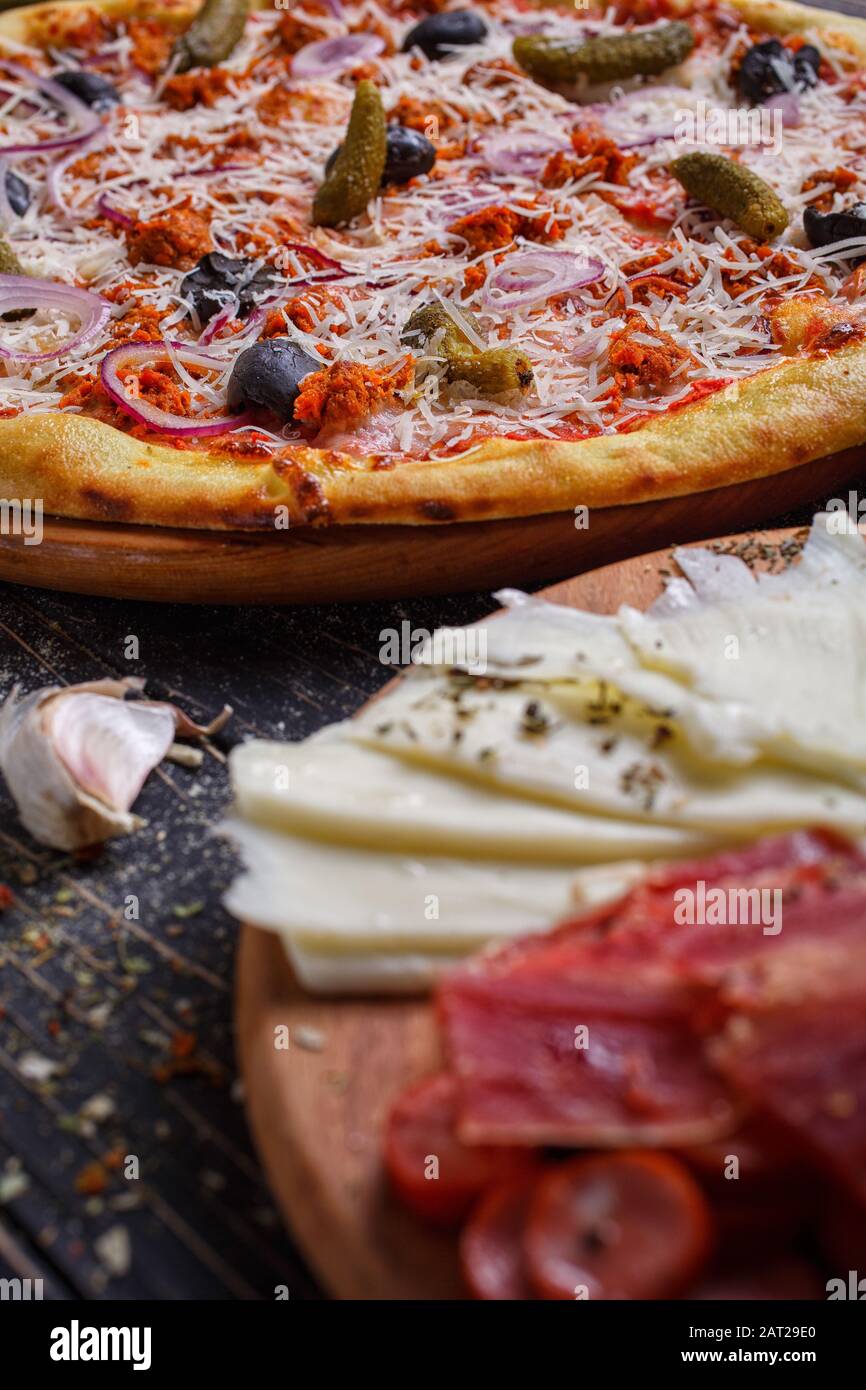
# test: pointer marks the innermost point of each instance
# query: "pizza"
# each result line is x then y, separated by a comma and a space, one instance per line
392, 261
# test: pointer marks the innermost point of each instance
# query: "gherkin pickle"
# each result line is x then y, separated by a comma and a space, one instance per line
10, 265
356, 173
733, 191
213, 34
9, 262
605, 59
492, 372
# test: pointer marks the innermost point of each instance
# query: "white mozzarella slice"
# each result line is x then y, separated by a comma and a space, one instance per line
602, 754
790, 647
333, 898
365, 972
545, 643
338, 790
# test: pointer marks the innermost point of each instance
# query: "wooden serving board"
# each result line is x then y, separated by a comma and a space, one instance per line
356, 563
317, 1111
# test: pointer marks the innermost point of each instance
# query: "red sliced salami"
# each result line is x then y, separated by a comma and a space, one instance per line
795, 1045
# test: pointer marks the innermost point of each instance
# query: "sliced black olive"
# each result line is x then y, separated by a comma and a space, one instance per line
408, 155
18, 193
824, 228
439, 33
218, 279
90, 87
769, 68
270, 374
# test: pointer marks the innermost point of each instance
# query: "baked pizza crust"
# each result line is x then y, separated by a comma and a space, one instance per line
784, 416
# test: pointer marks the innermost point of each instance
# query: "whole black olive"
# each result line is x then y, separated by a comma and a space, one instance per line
439, 33
90, 87
824, 228
769, 68
218, 279
18, 193
270, 374
408, 155
807, 62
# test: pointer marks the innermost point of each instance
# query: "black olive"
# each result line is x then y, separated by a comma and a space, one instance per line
90, 87
439, 33
807, 61
409, 154
823, 228
270, 374
218, 279
18, 193
769, 68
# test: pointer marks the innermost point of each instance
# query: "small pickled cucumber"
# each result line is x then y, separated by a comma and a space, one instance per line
10, 265
213, 34
357, 171
641, 52
9, 262
733, 191
492, 372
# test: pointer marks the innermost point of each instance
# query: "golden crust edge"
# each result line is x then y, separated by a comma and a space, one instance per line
788, 415
96, 472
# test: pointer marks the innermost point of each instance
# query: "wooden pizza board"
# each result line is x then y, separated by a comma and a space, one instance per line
356, 563
317, 1108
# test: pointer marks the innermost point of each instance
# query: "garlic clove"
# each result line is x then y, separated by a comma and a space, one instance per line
76, 758
107, 746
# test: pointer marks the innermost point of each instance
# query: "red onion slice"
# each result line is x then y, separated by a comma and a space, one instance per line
161, 421
22, 292
329, 57
631, 128
312, 253
75, 111
789, 105
104, 208
527, 277
520, 153
218, 322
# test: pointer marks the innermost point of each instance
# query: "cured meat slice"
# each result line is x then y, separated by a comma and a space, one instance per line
582, 1058
799, 849
785, 862
593, 1034
795, 1045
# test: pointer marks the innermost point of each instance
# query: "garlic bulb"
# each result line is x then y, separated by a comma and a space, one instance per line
76, 758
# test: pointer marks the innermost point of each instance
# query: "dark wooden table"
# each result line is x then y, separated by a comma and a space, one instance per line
116, 1035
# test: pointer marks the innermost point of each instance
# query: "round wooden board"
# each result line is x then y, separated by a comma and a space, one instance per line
317, 1115
356, 563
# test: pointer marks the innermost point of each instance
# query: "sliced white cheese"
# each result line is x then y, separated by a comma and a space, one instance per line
544, 643
791, 647
592, 749
716, 652
330, 898
365, 972
334, 789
